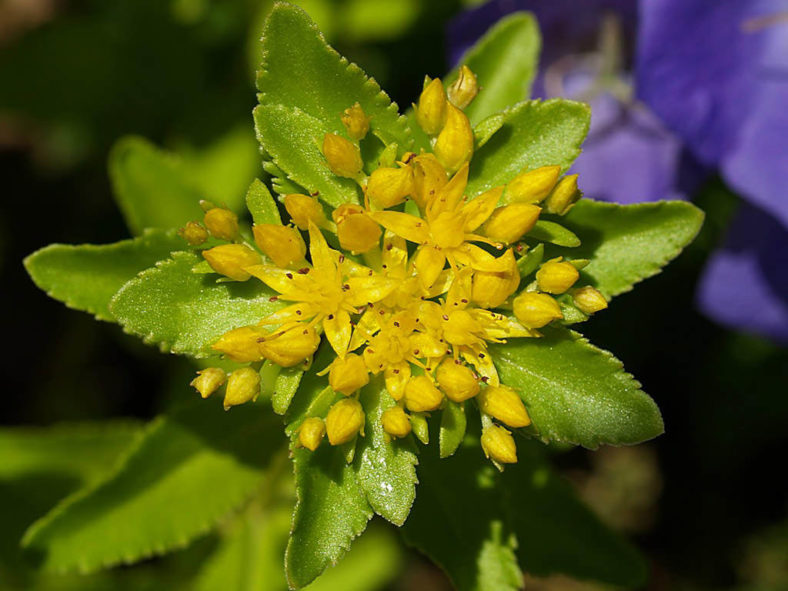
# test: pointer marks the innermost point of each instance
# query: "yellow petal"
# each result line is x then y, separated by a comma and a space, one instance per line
429, 264
338, 331
396, 377
479, 358
408, 226
477, 210
371, 289
449, 197
294, 313
280, 280
322, 258
395, 252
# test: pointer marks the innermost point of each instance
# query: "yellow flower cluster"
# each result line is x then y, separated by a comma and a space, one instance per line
425, 277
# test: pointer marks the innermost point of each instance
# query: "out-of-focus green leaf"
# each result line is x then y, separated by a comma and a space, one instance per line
505, 61
185, 312
330, 512
536, 133
576, 393
301, 70
293, 139
457, 520
190, 468
628, 243
546, 231
452, 431
85, 277
376, 20
556, 533
385, 469
261, 204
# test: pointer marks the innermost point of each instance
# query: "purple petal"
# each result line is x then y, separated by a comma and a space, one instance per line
744, 285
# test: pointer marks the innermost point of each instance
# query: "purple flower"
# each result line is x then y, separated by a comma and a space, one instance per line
712, 76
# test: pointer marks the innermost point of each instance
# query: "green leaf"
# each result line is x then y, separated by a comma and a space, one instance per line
505, 61
301, 70
536, 133
189, 469
529, 262
152, 187
546, 231
330, 512
486, 128
285, 387
261, 204
385, 469
452, 431
293, 139
457, 520
185, 312
576, 393
85, 277
556, 533
628, 243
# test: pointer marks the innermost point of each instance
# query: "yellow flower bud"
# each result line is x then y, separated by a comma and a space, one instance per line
221, 223
193, 233
429, 177
311, 433
464, 89
291, 346
342, 155
230, 260
535, 310
454, 146
208, 380
589, 299
421, 395
304, 209
492, 288
498, 444
282, 244
556, 277
357, 232
509, 223
431, 110
388, 187
345, 419
355, 121
349, 374
243, 385
532, 186
396, 422
563, 196
503, 403
457, 381
240, 344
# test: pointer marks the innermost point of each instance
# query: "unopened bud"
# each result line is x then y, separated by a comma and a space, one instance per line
345, 419
231, 260
221, 223
509, 223
498, 444
431, 110
464, 89
532, 186
357, 232
457, 381
193, 233
243, 385
240, 344
454, 146
535, 310
208, 380
304, 209
291, 346
503, 403
589, 299
388, 187
342, 156
556, 277
311, 433
396, 422
563, 196
355, 121
492, 288
421, 395
429, 177
282, 244
349, 374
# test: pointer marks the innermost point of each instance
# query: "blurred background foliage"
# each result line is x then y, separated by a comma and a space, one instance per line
705, 502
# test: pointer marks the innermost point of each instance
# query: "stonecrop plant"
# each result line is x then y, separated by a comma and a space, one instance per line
403, 299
